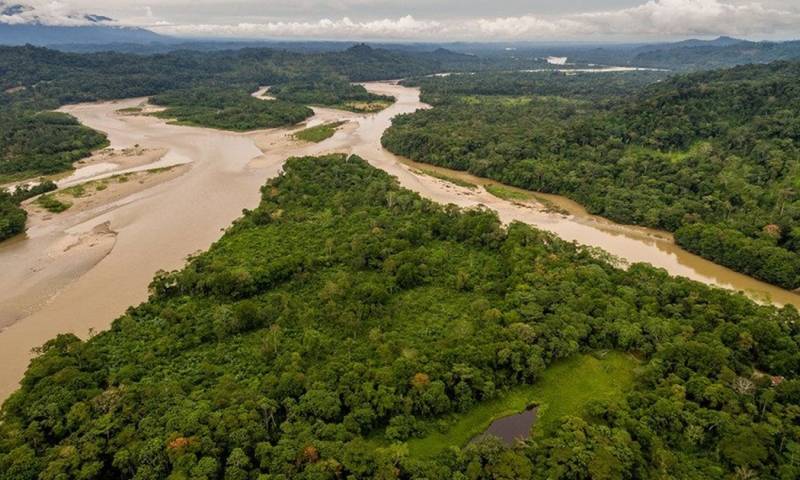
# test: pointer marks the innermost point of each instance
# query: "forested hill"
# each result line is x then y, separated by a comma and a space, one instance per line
713, 156
710, 55
344, 316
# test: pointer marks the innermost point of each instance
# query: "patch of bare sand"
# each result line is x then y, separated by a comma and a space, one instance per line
55, 267
61, 253
96, 194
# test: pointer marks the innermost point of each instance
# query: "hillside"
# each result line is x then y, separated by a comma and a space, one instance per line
35, 24
345, 315
710, 156
722, 53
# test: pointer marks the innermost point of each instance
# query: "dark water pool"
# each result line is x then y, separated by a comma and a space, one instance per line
512, 428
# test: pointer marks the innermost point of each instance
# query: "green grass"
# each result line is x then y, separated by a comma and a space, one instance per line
448, 178
52, 204
130, 110
76, 191
504, 100
318, 133
507, 193
564, 389
365, 107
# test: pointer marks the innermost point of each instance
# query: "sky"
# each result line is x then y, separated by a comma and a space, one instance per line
434, 20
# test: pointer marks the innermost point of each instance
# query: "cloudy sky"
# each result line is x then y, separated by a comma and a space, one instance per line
425, 20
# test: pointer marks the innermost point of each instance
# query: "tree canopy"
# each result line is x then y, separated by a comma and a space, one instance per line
711, 156
345, 315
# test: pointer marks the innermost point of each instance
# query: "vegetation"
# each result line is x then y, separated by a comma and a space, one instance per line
711, 156
507, 193
344, 307
513, 88
227, 109
333, 92
318, 133
34, 144
693, 55
52, 204
12, 216
565, 389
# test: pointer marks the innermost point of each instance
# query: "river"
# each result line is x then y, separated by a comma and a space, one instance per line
78, 272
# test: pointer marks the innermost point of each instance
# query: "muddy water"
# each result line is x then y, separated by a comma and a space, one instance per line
79, 272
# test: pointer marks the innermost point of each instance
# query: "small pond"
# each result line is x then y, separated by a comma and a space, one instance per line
512, 428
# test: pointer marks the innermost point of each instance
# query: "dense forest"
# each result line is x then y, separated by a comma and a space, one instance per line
698, 55
336, 92
12, 215
42, 143
438, 90
711, 156
229, 109
345, 315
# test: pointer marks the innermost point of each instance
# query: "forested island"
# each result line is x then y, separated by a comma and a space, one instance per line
346, 316
228, 109
711, 156
331, 92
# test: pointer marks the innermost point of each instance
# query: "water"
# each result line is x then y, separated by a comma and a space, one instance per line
511, 429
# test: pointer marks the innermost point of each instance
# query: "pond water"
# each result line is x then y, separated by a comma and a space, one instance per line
512, 428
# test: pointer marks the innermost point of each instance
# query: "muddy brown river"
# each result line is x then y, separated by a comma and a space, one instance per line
76, 272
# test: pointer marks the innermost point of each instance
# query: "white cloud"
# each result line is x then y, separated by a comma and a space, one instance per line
46, 13
692, 17
652, 18
403, 27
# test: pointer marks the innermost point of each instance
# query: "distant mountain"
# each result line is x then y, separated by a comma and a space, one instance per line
51, 25
720, 53
44, 35
691, 43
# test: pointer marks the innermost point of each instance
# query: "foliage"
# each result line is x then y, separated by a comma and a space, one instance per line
227, 109
507, 193
343, 305
12, 216
53, 204
566, 388
331, 92
718, 148
318, 133
506, 86
43, 143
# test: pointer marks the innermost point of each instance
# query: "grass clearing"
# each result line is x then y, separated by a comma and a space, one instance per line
76, 191
504, 100
318, 133
565, 388
366, 107
130, 111
508, 193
